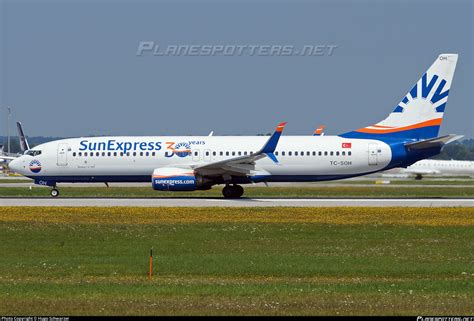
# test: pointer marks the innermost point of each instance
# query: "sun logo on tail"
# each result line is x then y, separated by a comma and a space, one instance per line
425, 90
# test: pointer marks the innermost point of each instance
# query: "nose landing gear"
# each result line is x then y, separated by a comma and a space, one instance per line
232, 191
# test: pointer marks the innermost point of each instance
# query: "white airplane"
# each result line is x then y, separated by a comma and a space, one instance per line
183, 163
440, 167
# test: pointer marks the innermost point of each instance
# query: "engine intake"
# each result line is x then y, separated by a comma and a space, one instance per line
174, 179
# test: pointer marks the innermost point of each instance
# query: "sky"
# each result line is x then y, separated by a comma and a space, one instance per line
70, 68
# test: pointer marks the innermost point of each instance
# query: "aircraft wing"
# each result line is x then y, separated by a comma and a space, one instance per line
6, 159
242, 165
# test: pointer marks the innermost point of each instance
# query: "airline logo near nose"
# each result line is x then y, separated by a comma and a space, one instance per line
35, 166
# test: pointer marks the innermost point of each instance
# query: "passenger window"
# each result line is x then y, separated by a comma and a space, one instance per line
74, 154
282, 153
115, 153
97, 154
349, 153
289, 153
221, 153
276, 153
308, 153
332, 153
240, 153
195, 153
85, 153
134, 153
214, 153
128, 153
320, 153
147, 154
233, 153
245, 153
296, 153
207, 153
80, 153
343, 153
325, 153
103, 153
337, 153
153, 153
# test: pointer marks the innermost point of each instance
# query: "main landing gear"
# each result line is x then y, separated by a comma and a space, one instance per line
54, 192
232, 191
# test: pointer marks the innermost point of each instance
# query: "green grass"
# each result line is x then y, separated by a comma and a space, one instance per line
375, 191
15, 180
237, 261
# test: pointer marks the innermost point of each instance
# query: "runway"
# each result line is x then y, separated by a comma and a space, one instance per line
244, 202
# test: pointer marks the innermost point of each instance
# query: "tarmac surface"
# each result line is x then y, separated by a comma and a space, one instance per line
243, 202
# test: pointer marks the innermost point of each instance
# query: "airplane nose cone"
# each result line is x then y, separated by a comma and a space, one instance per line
14, 165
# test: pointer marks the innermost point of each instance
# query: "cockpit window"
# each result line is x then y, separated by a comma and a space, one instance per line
33, 152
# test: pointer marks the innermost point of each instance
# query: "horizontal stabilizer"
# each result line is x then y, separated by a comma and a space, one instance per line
434, 142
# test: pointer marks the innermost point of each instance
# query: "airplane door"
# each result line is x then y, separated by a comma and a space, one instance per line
372, 154
62, 154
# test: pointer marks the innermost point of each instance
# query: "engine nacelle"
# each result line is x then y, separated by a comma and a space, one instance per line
174, 179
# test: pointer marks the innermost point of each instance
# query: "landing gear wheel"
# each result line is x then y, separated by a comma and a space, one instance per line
232, 191
227, 191
239, 191
54, 192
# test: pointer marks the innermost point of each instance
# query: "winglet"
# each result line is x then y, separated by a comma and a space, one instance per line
272, 142
319, 131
